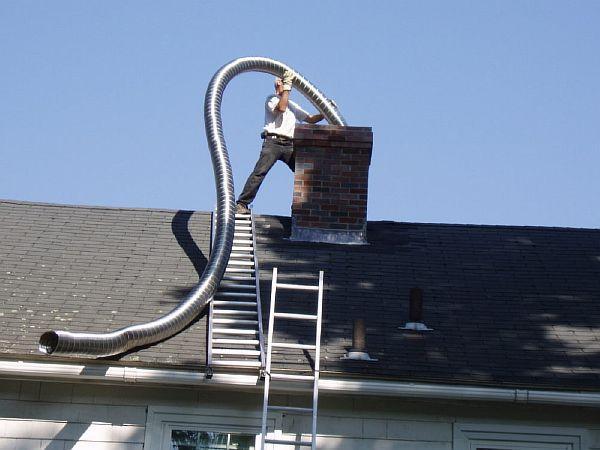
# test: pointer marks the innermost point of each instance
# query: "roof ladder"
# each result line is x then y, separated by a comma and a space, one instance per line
235, 335
273, 376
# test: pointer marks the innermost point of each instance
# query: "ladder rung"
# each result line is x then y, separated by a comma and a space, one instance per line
232, 303
291, 409
237, 236
297, 286
300, 346
236, 341
238, 270
232, 312
239, 215
241, 363
236, 294
285, 376
242, 248
240, 255
227, 277
234, 262
296, 316
236, 321
288, 442
237, 285
242, 227
234, 331
233, 351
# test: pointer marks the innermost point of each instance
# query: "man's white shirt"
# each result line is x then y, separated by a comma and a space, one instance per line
282, 123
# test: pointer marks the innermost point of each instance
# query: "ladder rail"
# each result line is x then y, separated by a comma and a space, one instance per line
318, 319
261, 339
263, 433
209, 329
209, 339
317, 361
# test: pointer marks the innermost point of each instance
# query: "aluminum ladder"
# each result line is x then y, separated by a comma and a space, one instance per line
235, 334
273, 376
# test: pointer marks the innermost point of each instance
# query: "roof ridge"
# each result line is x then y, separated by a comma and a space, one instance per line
483, 225
171, 210
95, 207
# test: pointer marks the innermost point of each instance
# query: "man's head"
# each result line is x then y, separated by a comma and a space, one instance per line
278, 86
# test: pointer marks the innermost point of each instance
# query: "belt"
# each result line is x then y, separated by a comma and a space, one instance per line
278, 137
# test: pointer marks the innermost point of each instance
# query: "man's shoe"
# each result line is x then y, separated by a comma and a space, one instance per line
240, 208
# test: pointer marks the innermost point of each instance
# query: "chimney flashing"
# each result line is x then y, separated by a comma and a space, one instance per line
306, 234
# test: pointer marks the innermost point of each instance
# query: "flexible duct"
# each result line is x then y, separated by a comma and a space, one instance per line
119, 341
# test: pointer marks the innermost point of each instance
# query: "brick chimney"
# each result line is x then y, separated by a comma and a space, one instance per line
331, 183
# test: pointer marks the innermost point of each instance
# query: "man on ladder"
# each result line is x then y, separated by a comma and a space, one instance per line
281, 115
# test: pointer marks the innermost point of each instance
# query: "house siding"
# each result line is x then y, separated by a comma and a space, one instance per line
53, 415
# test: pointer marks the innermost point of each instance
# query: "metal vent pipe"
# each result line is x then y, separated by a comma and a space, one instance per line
119, 341
415, 305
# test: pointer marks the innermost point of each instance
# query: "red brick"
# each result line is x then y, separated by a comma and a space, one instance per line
330, 187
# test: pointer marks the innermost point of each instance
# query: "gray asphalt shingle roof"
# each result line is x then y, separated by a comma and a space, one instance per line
509, 305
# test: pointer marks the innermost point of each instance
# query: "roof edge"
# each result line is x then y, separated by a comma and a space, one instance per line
168, 377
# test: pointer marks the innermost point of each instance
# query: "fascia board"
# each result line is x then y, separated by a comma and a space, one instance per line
168, 377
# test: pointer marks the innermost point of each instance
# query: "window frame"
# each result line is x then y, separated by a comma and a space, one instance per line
161, 420
467, 436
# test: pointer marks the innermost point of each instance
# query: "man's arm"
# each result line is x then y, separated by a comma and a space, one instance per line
286, 83
283, 101
314, 118
318, 117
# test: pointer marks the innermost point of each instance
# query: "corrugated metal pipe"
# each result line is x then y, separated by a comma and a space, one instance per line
119, 341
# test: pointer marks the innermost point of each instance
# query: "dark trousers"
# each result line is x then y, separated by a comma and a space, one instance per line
272, 151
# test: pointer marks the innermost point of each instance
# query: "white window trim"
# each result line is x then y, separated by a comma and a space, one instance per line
467, 436
161, 420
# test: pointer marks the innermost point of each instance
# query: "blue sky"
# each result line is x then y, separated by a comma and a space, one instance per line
482, 111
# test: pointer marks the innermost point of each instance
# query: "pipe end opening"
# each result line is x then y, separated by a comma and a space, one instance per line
48, 342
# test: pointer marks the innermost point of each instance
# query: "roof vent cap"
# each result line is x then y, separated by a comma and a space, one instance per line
358, 352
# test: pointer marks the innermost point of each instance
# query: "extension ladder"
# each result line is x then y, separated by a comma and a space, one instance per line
273, 376
235, 334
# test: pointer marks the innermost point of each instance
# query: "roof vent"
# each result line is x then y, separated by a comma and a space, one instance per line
359, 343
415, 312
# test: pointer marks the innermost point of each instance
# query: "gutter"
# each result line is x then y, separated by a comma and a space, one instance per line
168, 377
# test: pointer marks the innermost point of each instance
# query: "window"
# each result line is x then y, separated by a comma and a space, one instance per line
176, 428
210, 440
481, 436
